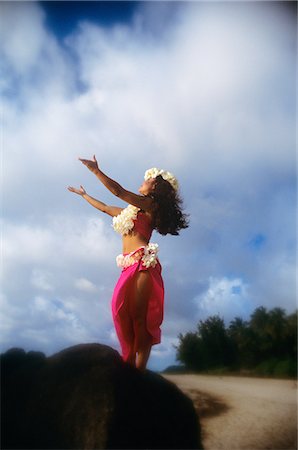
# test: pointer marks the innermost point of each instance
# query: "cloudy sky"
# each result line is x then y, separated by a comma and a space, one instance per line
203, 89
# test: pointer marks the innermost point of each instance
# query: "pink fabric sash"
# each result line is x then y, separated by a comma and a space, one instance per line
155, 309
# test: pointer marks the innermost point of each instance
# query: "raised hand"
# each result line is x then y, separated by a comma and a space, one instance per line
91, 164
80, 191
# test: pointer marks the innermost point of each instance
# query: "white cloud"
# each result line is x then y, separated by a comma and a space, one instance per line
85, 285
225, 297
22, 48
62, 240
42, 280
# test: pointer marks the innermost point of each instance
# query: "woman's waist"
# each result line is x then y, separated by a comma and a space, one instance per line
147, 254
132, 243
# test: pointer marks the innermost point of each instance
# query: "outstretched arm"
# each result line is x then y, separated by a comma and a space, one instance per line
110, 210
140, 201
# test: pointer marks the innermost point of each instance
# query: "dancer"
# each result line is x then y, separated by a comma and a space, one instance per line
138, 298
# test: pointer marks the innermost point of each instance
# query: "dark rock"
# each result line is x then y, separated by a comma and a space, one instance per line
86, 397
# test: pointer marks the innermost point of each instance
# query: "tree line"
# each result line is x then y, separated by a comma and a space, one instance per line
266, 344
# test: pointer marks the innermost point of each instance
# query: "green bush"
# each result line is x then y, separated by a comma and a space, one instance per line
266, 367
287, 368
277, 368
219, 371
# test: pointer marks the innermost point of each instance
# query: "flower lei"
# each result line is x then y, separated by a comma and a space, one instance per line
149, 258
168, 176
147, 254
123, 223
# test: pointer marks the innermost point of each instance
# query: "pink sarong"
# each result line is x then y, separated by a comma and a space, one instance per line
155, 309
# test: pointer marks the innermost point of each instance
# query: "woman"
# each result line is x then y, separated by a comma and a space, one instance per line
138, 298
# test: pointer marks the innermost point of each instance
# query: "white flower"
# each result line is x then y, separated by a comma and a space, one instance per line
123, 223
168, 176
148, 255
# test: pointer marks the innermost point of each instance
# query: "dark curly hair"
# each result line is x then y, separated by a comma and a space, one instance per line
168, 217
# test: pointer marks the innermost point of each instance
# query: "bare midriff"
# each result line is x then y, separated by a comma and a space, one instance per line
132, 242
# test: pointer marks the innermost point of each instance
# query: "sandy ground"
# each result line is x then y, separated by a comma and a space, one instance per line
243, 413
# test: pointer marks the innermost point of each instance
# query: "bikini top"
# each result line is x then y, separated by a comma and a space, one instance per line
142, 225
132, 218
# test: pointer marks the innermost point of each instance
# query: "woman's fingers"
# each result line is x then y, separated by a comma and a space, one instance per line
72, 189
76, 191
90, 164
84, 161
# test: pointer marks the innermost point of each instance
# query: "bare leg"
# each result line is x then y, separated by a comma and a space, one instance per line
139, 305
127, 331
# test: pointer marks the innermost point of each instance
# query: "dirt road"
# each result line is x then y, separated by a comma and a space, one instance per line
243, 413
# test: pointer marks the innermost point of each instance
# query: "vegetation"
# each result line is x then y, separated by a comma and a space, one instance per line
265, 345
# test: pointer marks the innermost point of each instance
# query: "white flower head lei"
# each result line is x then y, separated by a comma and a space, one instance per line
124, 222
168, 176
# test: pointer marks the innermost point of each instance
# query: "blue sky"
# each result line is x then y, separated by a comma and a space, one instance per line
62, 18
203, 89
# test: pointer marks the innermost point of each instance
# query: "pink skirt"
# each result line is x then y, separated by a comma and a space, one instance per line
155, 309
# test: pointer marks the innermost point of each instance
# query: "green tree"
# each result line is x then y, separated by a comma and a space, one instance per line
259, 319
237, 332
189, 351
261, 340
215, 342
276, 331
291, 335
266, 343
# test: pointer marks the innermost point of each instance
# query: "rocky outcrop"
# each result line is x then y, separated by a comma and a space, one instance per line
86, 397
